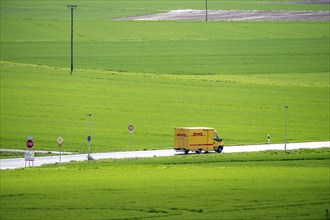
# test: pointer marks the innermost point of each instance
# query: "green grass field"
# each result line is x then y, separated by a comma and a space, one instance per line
244, 108
234, 76
267, 185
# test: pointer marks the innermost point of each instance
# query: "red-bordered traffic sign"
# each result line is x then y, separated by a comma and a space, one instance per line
130, 127
60, 140
29, 143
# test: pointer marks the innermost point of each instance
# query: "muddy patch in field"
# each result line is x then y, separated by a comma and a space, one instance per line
235, 15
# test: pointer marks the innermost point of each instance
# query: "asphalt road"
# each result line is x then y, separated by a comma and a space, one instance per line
16, 163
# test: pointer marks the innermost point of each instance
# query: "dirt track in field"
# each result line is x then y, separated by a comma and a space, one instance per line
235, 15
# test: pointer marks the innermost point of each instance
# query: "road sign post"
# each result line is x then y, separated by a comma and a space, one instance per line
89, 138
29, 155
285, 125
59, 141
130, 130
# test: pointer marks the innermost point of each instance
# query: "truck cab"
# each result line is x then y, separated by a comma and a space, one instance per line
217, 142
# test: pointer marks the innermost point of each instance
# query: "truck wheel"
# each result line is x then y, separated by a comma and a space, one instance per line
186, 151
220, 148
198, 151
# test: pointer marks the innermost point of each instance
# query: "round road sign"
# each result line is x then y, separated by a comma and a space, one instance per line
29, 143
130, 127
60, 140
89, 138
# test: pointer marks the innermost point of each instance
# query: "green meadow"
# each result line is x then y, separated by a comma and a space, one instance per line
233, 76
267, 185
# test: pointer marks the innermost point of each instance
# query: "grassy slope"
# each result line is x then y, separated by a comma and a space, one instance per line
245, 73
172, 47
264, 185
240, 107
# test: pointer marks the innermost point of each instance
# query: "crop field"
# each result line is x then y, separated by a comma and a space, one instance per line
157, 75
267, 185
234, 76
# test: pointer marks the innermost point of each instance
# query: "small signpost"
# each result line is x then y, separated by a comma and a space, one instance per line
89, 138
59, 141
29, 155
130, 130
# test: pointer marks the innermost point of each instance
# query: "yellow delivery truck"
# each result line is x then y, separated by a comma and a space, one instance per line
197, 139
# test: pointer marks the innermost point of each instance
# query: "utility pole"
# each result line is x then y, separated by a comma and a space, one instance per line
205, 10
72, 7
285, 124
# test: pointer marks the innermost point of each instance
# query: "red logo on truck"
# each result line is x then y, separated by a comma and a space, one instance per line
198, 134
181, 135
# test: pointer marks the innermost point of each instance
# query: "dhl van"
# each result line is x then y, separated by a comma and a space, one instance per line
197, 139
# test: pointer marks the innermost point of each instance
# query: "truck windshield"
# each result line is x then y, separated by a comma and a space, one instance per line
216, 138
